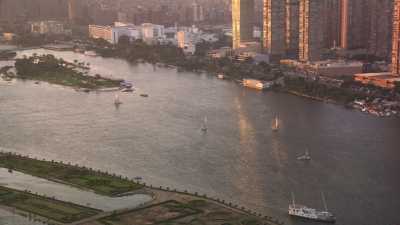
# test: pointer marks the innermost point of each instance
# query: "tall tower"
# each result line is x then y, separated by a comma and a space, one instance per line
355, 23
344, 23
332, 23
274, 28
292, 27
381, 20
310, 28
396, 39
72, 7
242, 21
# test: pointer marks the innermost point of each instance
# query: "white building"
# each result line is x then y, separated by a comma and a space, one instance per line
198, 13
185, 42
132, 32
152, 33
101, 32
112, 34
47, 27
171, 35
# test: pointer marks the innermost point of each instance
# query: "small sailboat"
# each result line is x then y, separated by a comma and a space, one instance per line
117, 101
306, 156
275, 124
204, 127
310, 213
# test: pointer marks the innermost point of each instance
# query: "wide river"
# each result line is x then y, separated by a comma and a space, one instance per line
355, 157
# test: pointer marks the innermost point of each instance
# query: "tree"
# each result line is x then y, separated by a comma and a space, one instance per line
397, 87
124, 41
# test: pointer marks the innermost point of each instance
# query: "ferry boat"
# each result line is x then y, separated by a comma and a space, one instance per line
305, 212
90, 53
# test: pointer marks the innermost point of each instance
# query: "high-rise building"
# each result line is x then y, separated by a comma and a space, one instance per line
274, 28
72, 8
396, 39
355, 24
310, 29
380, 35
242, 21
198, 14
292, 27
331, 16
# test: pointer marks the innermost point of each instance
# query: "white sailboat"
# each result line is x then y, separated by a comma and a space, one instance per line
117, 101
306, 156
204, 127
275, 124
310, 213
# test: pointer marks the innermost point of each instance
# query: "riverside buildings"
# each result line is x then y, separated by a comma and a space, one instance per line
387, 79
148, 32
396, 39
242, 22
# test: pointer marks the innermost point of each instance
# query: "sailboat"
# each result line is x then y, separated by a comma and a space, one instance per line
306, 156
204, 126
310, 213
117, 101
275, 124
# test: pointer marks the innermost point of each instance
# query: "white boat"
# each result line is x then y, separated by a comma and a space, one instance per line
256, 84
117, 101
275, 124
305, 212
204, 126
221, 76
306, 156
90, 53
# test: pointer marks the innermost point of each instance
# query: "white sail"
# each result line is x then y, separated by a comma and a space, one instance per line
275, 124
117, 101
204, 126
324, 201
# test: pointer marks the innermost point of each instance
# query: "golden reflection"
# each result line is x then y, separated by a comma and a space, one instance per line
247, 176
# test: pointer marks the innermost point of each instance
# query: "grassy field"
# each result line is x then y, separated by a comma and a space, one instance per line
186, 211
156, 214
98, 182
46, 207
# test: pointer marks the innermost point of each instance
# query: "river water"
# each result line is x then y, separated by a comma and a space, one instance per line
355, 157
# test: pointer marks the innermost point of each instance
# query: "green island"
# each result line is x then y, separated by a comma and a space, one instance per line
167, 207
46, 207
49, 69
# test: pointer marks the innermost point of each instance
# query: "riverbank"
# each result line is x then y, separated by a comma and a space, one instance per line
170, 204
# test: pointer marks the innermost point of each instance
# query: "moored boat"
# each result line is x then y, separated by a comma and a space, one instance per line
305, 212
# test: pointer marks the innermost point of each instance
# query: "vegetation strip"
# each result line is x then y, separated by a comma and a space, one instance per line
99, 182
59, 211
174, 209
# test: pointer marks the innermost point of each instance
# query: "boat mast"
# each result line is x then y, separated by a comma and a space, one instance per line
324, 201
293, 200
